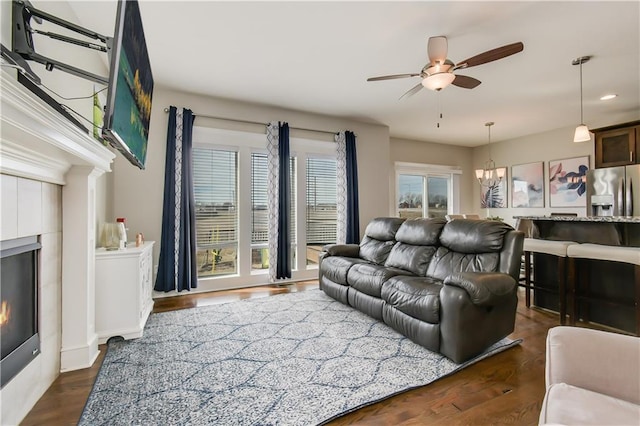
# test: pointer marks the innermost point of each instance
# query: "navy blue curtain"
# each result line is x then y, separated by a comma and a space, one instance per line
353, 212
177, 263
283, 268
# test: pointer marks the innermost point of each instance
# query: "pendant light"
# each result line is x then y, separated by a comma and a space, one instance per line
582, 133
490, 176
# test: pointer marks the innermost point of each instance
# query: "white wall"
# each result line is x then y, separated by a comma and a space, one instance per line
138, 194
551, 145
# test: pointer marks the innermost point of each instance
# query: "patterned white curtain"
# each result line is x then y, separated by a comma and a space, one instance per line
341, 193
272, 196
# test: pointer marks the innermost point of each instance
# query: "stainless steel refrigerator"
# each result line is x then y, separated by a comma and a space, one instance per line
614, 191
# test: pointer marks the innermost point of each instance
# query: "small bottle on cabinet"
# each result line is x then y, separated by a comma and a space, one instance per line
123, 231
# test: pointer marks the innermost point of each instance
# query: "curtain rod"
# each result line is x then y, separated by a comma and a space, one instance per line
236, 120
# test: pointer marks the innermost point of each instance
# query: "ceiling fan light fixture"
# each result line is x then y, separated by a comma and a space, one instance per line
582, 134
439, 72
438, 81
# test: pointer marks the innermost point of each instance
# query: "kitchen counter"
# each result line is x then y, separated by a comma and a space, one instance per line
606, 230
606, 219
607, 279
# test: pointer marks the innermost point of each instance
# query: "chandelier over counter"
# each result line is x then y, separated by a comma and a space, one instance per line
490, 175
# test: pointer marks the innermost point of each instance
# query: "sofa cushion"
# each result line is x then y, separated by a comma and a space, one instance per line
383, 228
416, 243
369, 278
569, 405
335, 268
379, 238
446, 262
474, 236
414, 259
375, 251
421, 231
418, 297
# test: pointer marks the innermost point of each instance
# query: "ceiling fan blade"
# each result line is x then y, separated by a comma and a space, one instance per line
391, 77
466, 82
415, 89
437, 49
491, 55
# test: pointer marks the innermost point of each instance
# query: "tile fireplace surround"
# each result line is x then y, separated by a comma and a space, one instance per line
48, 176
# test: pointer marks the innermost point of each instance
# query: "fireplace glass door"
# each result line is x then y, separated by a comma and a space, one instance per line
19, 340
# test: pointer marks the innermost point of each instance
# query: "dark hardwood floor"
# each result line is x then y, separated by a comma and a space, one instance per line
505, 389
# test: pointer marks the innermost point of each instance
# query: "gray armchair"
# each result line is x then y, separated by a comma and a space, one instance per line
592, 378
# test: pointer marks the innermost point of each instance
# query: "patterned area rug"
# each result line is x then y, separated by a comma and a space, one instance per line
293, 359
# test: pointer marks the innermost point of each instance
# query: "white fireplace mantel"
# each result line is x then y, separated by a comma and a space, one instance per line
40, 144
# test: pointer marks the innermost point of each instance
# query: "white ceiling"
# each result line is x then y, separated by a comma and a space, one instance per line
316, 57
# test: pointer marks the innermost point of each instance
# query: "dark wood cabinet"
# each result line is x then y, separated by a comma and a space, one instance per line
617, 145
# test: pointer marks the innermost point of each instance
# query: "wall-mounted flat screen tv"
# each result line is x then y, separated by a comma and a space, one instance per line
128, 106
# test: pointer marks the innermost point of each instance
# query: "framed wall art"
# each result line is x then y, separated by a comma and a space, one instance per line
527, 185
568, 182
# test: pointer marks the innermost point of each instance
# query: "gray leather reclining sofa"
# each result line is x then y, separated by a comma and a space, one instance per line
448, 286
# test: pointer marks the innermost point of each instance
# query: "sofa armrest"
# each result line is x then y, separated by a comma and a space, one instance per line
346, 250
600, 361
484, 288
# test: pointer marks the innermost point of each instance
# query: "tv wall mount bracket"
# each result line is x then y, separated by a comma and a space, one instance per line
22, 39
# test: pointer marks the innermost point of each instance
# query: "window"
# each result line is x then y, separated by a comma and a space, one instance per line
322, 213
438, 196
215, 181
259, 211
424, 190
292, 213
230, 179
410, 192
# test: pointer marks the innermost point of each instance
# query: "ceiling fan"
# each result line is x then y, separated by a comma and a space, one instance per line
439, 72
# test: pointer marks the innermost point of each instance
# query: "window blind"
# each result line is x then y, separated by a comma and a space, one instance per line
321, 201
259, 212
215, 181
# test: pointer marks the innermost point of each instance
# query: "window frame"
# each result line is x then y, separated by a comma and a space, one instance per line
226, 244
453, 173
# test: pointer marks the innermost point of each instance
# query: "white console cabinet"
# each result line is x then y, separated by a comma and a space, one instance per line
123, 291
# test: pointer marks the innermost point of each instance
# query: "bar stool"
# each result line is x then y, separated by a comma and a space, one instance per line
553, 248
527, 227
629, 255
